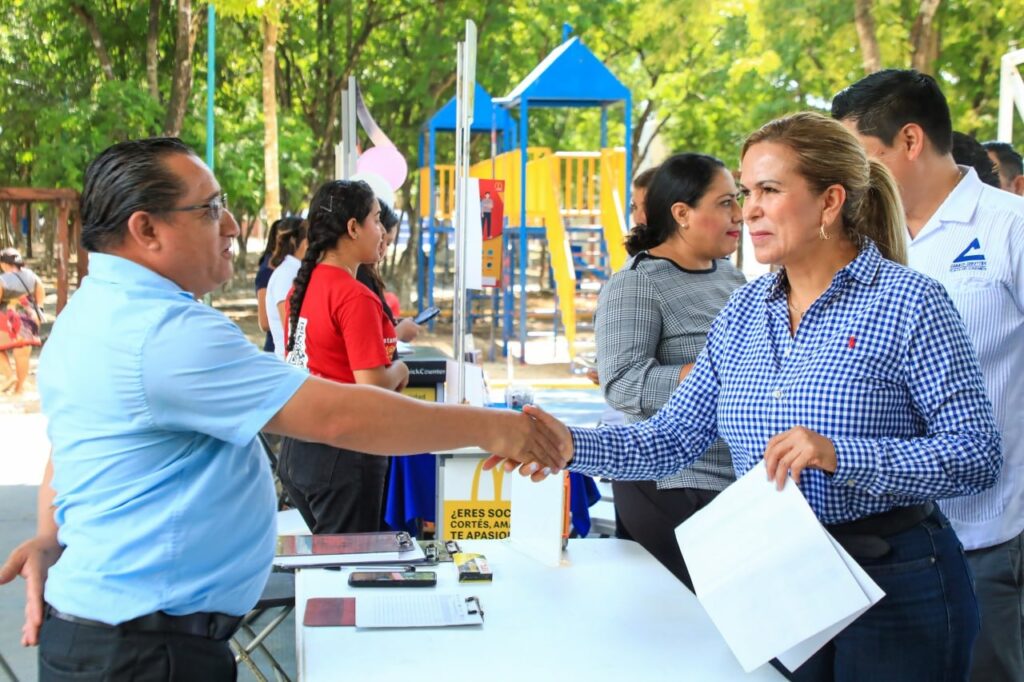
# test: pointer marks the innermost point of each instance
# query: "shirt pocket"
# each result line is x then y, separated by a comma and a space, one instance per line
852, 392
985, 305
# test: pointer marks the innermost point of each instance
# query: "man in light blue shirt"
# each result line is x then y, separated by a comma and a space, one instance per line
162, 525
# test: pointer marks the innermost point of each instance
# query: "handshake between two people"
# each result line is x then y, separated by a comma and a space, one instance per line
540, 446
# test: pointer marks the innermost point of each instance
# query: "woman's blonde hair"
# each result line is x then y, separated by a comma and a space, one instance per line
828, 154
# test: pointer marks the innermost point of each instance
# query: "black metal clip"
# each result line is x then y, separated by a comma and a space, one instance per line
479, 609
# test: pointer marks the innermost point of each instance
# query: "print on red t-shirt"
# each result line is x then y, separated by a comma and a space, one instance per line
342, 327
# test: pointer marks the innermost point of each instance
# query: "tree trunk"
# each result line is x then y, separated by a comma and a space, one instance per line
272, 198
246, 228
181, 83
97, 40
865, 21
152, 56
924, 37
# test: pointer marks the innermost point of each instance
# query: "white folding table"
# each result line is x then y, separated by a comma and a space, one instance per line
611, 612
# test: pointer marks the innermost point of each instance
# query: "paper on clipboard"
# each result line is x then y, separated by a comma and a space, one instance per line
417, 611
773, 581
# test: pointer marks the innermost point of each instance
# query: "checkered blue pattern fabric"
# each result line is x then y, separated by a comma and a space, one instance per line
881, 364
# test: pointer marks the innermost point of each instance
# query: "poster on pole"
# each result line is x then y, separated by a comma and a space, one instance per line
492, 220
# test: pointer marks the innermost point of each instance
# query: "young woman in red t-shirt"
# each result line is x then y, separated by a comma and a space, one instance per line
338, 330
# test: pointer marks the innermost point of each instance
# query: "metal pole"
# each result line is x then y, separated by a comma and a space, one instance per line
604, 126
211, 68
431, 225
459, 217
628, 175
211, 81
420, 265
523, 248
466, 80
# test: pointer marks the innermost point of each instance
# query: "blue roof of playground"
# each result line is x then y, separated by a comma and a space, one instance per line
483, 110
571, 76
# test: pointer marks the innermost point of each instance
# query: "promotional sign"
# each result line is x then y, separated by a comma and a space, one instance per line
492, 220
473, 518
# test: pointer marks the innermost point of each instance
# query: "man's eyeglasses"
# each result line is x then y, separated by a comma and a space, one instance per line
215, 206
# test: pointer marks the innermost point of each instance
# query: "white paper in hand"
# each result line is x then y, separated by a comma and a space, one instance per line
773, 581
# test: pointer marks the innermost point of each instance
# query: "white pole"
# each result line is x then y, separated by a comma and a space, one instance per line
1011, 93
345, 150
465, 80
350, 132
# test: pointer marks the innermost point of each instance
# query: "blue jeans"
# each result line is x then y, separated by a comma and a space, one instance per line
925, 626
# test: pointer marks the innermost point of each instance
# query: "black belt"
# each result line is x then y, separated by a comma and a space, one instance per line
216, 626
865, 538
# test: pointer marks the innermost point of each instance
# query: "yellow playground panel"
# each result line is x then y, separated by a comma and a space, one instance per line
563, 189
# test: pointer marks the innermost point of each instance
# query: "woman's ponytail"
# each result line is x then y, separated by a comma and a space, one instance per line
880, 215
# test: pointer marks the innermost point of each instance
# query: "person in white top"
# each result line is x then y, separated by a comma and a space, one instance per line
970, 237
286, 259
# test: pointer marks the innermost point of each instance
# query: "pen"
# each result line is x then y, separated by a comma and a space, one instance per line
377, 567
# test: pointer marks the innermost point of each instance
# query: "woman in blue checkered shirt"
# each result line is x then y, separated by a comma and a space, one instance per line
853, 375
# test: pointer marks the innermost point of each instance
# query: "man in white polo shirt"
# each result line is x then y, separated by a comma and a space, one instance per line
970, 237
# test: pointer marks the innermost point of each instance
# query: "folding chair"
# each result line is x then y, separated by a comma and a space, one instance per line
279, 594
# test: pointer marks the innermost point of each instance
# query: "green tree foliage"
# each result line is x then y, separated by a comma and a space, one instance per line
703, 74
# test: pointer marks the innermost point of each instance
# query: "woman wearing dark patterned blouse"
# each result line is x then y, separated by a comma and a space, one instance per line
653, 317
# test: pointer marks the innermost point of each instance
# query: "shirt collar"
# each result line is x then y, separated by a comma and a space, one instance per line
961, 203
118, 270
861, 269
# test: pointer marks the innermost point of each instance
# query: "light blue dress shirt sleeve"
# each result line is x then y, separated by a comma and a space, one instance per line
220, 385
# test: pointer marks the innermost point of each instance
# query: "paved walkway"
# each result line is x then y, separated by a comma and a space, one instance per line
22, 460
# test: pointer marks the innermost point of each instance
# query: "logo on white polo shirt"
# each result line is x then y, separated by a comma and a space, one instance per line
970, 258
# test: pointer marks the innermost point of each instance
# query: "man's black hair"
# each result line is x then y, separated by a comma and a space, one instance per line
127, 177
968, 152
882, 103
1010, 162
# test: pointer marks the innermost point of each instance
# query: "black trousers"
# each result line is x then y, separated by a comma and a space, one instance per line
87, 653
651, 516
335, 490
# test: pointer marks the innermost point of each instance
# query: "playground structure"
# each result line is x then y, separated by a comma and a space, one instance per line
68, 229
574, 200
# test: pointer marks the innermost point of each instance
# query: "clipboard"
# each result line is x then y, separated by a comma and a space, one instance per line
343, 543
392, 611
381, 550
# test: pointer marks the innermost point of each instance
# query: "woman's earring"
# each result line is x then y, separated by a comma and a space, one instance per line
684, 226
822, 234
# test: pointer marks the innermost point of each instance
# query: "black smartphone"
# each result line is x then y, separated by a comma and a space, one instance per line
392, 579
427, 315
